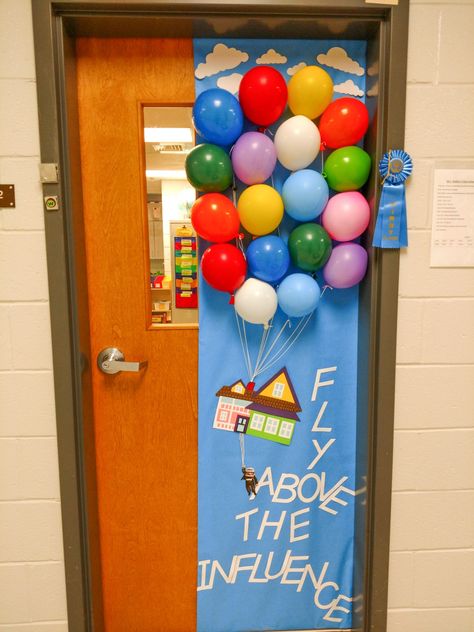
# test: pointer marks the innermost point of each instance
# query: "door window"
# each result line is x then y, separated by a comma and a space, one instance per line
168, 138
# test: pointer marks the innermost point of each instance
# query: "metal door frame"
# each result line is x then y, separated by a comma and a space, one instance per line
56, 24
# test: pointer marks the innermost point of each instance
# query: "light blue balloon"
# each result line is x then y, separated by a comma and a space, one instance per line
298, 295
305, 194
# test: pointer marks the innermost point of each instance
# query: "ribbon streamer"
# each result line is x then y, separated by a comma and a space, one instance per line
391, 226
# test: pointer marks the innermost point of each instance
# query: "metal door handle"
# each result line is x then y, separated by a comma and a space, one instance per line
111, 360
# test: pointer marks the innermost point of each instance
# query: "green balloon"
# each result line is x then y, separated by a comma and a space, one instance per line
347, 169
208, 168
309, 246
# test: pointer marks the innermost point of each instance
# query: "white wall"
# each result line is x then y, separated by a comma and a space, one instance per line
432, 561
32, 595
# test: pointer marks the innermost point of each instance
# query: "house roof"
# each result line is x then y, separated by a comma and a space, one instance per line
272, 403
269, 410
290, 385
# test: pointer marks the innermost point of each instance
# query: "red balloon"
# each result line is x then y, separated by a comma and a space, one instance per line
344, 122
215, 218
263, 95
224, 267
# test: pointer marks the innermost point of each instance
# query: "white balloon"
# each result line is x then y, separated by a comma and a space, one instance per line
297, 142
256, 302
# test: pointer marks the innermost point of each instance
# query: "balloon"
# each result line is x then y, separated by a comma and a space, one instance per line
346, 216
215, 218
309, 246
347, 266
218, 117
305, 194
310, 91
297, 142
268, 258
347, 168
263, 95
298, 295
253, 158
256, 302
260, 209
208, 168
344, 122
224, 267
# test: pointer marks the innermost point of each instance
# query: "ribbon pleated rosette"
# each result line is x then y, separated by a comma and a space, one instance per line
391, 226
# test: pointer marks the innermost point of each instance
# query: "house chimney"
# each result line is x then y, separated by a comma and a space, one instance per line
250, 386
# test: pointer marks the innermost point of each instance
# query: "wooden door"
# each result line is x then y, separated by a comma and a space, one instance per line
146, 423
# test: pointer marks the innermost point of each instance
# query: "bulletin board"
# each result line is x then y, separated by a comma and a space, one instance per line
284, 559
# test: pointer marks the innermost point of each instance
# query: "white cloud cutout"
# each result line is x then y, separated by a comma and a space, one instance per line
373, 69
349, 87
294, 69
272, 57
373, 90
230, 82
221, 58
337, 58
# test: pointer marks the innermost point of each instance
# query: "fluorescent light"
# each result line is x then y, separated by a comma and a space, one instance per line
168, 135
166, 174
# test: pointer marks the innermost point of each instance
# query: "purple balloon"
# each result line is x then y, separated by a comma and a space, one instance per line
253, 158
346, 266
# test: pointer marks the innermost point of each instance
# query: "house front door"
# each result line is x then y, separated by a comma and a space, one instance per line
145, 421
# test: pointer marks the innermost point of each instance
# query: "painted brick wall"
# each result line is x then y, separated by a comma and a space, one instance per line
32, 594
432, 561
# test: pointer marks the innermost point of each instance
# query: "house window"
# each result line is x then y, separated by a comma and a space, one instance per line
257, 422
278, 389
286, 430
238, 388
271, 426
223, 415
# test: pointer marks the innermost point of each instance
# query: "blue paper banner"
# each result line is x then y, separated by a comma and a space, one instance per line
283, 560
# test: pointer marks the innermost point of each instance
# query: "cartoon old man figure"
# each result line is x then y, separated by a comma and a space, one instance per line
251, 481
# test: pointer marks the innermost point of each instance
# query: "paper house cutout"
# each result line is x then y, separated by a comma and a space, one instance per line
269, 413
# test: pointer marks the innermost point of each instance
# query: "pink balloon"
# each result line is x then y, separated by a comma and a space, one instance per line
253, 158
346, 216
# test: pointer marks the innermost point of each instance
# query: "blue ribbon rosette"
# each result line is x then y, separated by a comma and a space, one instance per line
391, 226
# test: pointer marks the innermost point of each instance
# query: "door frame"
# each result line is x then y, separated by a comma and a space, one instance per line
56, 24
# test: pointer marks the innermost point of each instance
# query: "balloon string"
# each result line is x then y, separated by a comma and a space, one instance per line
246, 362
326, 287
242, 448
263, 344
249, 362
287, 344
284, 348
263, 360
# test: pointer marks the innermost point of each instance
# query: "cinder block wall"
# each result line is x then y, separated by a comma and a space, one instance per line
32, 593
432, 561
432, 540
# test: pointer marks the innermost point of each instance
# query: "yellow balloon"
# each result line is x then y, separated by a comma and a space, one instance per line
260, 209
310, 91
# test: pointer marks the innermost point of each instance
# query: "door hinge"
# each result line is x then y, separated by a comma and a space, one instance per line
49, 172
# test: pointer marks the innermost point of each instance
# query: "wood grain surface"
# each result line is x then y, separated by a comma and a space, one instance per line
145, 424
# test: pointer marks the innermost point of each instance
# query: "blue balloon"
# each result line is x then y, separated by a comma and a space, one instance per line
268, 258
298, 295
305, 194
218, 117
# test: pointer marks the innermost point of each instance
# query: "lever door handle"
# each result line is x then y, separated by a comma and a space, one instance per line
111, 360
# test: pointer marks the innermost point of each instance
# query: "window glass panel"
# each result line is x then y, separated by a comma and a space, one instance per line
168, 137
272, 425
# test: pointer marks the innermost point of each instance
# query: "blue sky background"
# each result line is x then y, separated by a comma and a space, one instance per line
329, 340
